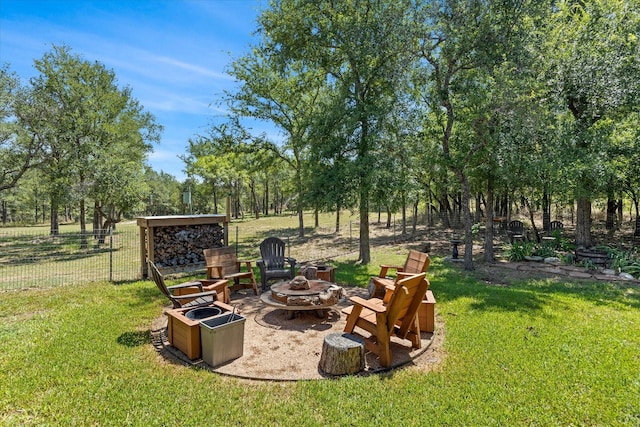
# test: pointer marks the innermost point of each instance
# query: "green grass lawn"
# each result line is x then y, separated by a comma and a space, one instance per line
538, 352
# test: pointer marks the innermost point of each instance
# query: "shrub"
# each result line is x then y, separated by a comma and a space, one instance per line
545, 251
519, 250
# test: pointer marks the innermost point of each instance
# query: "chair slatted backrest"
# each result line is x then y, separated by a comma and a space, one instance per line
516, 227
405, 301
224, 257
159, 280
417, 262
556, 226
272, 251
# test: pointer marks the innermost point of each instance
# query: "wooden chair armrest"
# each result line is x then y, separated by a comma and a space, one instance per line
221, 286
384, 269
367, 304
209, 282
246, 263
196, 295
403, 275
186, 285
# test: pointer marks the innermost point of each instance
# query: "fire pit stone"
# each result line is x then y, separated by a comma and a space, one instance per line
299, 283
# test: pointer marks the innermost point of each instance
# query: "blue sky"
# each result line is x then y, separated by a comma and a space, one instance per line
172, 53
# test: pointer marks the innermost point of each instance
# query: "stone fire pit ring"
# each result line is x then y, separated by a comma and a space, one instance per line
320, 296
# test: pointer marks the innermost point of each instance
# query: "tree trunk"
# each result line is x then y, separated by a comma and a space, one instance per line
96, 219
214, 191
488, 237
444, 211
338, 207
636, 204
299, 199
478, 213
546, 210
316, 215
414, 223
532, 219
35, 198
611, 213
465, 199
404, 213
254, 198
583, 223
83, 225
266, 196
430, 209
620, 213
55, 226
300, 223
388, 225
365, 251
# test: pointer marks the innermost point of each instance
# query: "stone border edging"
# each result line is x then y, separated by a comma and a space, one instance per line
563, 270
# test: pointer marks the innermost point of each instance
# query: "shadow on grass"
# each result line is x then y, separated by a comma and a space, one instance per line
531, 294
135, 338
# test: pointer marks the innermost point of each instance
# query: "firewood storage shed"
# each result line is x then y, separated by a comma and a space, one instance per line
175, 243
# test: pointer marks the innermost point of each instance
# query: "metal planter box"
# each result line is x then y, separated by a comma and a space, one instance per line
222, 338
184, 333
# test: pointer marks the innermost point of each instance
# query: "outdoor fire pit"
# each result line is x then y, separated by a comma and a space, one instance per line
320, 295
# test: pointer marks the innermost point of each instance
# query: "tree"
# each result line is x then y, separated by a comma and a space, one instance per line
362, 49
20, 144
284, 92
89, 122
594, 74
164, 193
461, 44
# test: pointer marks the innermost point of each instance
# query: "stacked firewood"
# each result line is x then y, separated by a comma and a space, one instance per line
182, 245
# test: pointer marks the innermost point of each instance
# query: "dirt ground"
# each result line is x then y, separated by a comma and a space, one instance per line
277, 348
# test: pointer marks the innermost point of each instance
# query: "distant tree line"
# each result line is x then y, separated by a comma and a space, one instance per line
464, 110
72, 136
450, 105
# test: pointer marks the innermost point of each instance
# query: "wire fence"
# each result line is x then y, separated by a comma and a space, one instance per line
29, 260
35, 259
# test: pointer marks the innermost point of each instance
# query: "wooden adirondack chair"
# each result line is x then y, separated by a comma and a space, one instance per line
222, 263
191, 294
396, 314
274, 264
416, 262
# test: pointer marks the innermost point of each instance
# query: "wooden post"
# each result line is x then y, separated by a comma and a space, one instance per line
143, 254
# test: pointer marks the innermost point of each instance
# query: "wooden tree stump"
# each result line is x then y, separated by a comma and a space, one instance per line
342, 354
